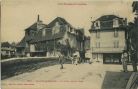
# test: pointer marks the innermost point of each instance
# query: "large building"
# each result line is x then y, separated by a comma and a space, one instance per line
44, 40
108, 38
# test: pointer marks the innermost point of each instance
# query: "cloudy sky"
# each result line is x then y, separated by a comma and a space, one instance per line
17, 15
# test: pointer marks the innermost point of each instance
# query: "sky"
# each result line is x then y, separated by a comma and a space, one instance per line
17, 15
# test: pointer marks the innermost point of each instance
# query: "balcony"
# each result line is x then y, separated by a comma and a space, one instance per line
107, 50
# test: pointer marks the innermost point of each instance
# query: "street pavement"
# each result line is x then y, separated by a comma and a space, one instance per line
81, 76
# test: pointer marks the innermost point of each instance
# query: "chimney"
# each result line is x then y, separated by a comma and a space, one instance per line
39, 22
125, 20
38, 18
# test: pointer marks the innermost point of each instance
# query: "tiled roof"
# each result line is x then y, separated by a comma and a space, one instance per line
106, 22
107, 17
37, 37
22, 43
34, 26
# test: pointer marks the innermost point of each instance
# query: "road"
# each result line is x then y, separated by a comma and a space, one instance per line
82, 76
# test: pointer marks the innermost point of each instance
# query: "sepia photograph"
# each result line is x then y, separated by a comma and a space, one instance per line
69, 44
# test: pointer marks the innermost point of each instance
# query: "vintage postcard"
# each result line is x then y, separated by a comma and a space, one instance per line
69, 44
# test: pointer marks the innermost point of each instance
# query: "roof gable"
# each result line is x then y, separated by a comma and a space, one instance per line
108, 17
34, 26
61, 21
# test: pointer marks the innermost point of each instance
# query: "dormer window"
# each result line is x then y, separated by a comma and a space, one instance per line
56, 24
97, 25
56, 28
115, 23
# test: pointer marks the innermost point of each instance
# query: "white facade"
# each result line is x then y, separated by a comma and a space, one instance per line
108, 40
106, 43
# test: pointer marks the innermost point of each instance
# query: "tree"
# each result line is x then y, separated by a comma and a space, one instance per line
133, 45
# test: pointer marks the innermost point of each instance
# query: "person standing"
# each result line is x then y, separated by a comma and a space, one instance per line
76, 57
72, 59
124, 60
134, 60
82, 56
61, 57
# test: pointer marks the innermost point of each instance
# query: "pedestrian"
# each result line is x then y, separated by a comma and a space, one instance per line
134, 60
124, 60
72, 59
61, 57
76, 57
88, 57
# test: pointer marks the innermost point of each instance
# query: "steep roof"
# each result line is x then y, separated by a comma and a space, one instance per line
37, 37
22, 43
61, 21
34, 26
106, 23
107, 17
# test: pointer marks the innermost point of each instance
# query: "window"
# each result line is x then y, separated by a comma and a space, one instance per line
97, 34
70, 29
115, 33
116, 44
56, 28
97, 25
97, 44
27, 44
115, 23
32, 48
43, 32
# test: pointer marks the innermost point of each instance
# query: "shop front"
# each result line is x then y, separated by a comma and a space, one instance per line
112, 58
